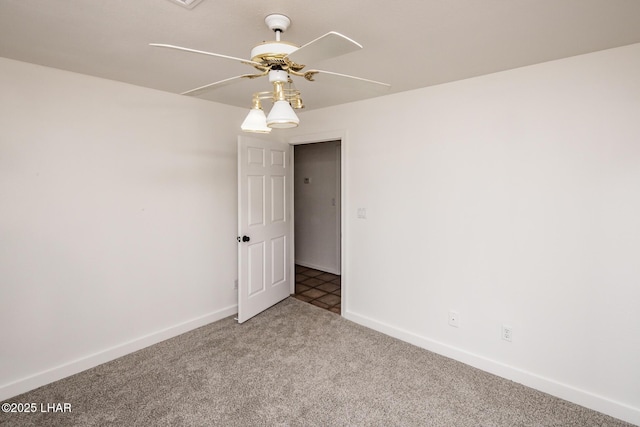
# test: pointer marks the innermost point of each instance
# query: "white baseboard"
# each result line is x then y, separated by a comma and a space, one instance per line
318, 267
73, 367
547, 385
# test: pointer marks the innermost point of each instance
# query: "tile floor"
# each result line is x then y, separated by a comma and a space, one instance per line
318, 288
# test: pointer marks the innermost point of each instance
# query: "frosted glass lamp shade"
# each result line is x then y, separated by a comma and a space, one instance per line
282, 116
256, 121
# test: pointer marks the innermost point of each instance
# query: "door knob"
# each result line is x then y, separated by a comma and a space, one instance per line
244, 239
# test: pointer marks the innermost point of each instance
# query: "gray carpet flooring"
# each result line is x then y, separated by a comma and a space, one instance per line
294, 365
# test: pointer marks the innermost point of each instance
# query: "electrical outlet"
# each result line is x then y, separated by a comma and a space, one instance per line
507, 333
454, 318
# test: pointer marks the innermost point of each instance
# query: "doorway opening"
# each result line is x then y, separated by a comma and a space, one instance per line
317, 219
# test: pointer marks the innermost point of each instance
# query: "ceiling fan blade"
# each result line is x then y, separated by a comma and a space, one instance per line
202, 52
345, 80
328, 46
211, 86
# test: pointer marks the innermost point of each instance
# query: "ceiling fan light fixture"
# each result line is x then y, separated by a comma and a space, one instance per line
256, 120
282, 116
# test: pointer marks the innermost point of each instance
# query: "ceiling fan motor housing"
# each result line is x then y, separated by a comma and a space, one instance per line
272, 52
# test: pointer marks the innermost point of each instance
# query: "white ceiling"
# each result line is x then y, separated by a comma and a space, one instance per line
409, 43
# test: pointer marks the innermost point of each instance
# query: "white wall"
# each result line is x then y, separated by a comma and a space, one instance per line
512, 198
317, 206
117, 220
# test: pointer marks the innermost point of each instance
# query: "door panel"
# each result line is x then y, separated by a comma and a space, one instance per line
278, 207
278, 260
255, 199
256, 277
264, 174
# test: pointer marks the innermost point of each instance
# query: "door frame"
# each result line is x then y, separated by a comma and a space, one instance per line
327, 136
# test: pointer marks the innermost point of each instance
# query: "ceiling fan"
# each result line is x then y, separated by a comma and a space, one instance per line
280, 61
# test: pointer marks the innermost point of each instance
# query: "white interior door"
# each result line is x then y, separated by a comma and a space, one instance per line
264, 225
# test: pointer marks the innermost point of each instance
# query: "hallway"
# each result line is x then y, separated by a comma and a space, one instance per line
318, 288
